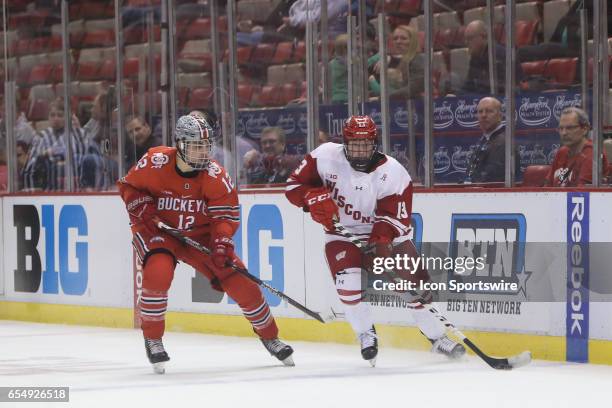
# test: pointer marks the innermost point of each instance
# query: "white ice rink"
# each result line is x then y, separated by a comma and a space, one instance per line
108, 368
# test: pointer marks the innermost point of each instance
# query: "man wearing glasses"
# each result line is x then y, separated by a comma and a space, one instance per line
573, 163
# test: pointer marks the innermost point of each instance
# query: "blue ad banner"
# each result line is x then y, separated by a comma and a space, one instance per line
455, 128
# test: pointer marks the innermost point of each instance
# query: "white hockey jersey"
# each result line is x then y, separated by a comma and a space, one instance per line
374, 203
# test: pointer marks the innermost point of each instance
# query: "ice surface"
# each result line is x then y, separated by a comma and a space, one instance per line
108, 368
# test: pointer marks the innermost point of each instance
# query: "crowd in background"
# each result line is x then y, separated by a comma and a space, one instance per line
41, 156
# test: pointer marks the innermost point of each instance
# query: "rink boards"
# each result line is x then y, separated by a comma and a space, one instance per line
69, 259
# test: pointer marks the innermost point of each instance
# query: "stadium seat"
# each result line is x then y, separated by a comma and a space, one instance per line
276, 74
130, 67
88, 71
262, 54
44, 91
183, 95
534, 68
288, 92
108, 70
269, 96
197, 29
200, 98
535, 175
98, 38
41, 74
39, 110
245, 94
194, 80
299, 54
283, 53
561, 70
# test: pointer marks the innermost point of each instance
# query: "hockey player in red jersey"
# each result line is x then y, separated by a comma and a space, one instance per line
187, 190
371, 195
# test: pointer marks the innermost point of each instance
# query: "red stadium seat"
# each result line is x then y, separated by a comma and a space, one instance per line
41, 74
262, 54
283, 53
88, 71
39, 110
288, 92
130, 67
98, 38
535, 68
535, 175
269, 96
200, 98
108, 70
198, 29
245, 94
299, 54
561, 70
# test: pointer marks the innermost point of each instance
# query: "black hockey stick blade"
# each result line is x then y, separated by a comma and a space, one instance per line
186, 240
509, 363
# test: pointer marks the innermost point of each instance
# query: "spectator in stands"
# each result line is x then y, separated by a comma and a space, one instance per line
405, 64
32, 168
52, 148
477, 80
273, 164
100, 168
487, 163
339, 71
573, 163
140, 139
23, 130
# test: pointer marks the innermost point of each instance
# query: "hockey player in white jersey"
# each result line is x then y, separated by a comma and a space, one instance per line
371, 194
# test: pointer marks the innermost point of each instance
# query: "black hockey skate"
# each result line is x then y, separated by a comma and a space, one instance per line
279, 350
156, 354
369, 345
448, 347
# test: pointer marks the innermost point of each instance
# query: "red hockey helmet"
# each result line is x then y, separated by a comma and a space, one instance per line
360, 141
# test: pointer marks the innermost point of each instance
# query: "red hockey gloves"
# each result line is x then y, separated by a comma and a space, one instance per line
322, 208
141, 210
222, 251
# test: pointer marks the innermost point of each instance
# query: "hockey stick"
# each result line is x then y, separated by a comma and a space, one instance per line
186, 240
509, 363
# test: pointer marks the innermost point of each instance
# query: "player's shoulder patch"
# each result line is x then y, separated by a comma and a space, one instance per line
214, 169
156, 157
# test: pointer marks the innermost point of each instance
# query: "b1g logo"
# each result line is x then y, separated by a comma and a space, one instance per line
497, 238
30, 272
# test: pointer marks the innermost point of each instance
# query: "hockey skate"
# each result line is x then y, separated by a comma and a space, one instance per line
369, 345
157, 355
279, 350
448, 347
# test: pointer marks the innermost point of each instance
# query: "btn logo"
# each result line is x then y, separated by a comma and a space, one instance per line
30, 272
499, 239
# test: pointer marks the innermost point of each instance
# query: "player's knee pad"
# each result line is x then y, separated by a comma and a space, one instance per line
158, 271
349, 286
241, 289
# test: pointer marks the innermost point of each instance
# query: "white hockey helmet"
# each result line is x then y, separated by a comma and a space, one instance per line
194, 141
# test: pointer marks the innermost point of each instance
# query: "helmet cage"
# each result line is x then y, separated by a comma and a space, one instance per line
194, 141
360, 141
